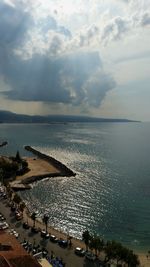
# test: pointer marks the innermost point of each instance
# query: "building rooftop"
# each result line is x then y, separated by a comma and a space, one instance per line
12, 254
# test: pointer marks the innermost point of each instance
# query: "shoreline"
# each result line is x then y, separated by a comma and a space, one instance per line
144, 260
63, 169
58, 233
41, 166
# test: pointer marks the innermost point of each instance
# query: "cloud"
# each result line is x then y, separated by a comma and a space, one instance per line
115, 29
74, 79
97, 87
145, 19
13, 26
45, 75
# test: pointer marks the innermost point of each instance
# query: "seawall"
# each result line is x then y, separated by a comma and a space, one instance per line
63, 170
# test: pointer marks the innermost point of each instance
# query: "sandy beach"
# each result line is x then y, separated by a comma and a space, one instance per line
38, 167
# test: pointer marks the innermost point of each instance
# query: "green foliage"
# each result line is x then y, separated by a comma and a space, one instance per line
8, 168
86, 238
18, 158
22, 206
96, 243
45, 220
33, 217
113, 250
17, 199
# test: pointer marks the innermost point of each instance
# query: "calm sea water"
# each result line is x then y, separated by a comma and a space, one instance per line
110, 194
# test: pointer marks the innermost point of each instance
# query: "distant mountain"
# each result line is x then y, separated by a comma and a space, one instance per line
10, 117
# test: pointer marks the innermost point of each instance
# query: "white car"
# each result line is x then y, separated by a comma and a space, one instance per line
4, 225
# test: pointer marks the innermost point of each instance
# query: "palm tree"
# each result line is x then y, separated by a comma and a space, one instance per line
132, 259
86, 238
33, 217
17, 199
45, 220
96, 243
22, 207
18, 158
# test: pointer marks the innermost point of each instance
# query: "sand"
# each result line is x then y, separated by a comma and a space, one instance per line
37, 167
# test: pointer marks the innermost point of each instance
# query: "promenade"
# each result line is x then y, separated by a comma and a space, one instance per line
67, 254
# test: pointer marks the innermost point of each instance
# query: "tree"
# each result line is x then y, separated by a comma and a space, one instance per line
96, 243
86, 238
1, 175
9, 191
17, 199
22, 207
18, 158
132, 259
33, 217
109, 251
45, 220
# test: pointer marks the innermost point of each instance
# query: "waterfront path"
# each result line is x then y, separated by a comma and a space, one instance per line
66, 254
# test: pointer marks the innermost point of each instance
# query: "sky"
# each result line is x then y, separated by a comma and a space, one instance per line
76, 57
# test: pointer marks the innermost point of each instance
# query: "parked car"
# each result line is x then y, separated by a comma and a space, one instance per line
13, 232
63, 243
34, 230
18, 215
13, 208
53, 238
25, 225
44, 252
3, 225
43, 233
90, 256
79, 251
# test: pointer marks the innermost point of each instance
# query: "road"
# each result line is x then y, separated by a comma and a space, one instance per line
67, 254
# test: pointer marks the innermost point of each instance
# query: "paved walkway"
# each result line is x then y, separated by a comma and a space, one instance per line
66, 254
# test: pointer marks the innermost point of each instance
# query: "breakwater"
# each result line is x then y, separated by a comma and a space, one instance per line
3, 144
63, 170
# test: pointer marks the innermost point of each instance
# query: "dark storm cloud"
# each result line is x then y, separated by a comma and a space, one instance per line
35, 79
76, 79
70, 79
13, 27
97, 88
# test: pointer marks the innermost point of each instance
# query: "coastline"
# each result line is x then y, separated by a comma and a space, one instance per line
63, 169
58, 233
144, 260
41, 166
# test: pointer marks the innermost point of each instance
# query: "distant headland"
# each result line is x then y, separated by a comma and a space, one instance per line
10, 117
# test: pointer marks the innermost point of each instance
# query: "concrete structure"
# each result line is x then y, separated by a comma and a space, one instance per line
12, 254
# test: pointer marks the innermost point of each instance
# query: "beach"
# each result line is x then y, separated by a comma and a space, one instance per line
41, 166
38, 167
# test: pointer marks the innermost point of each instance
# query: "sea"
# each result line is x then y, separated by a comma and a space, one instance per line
110, 194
